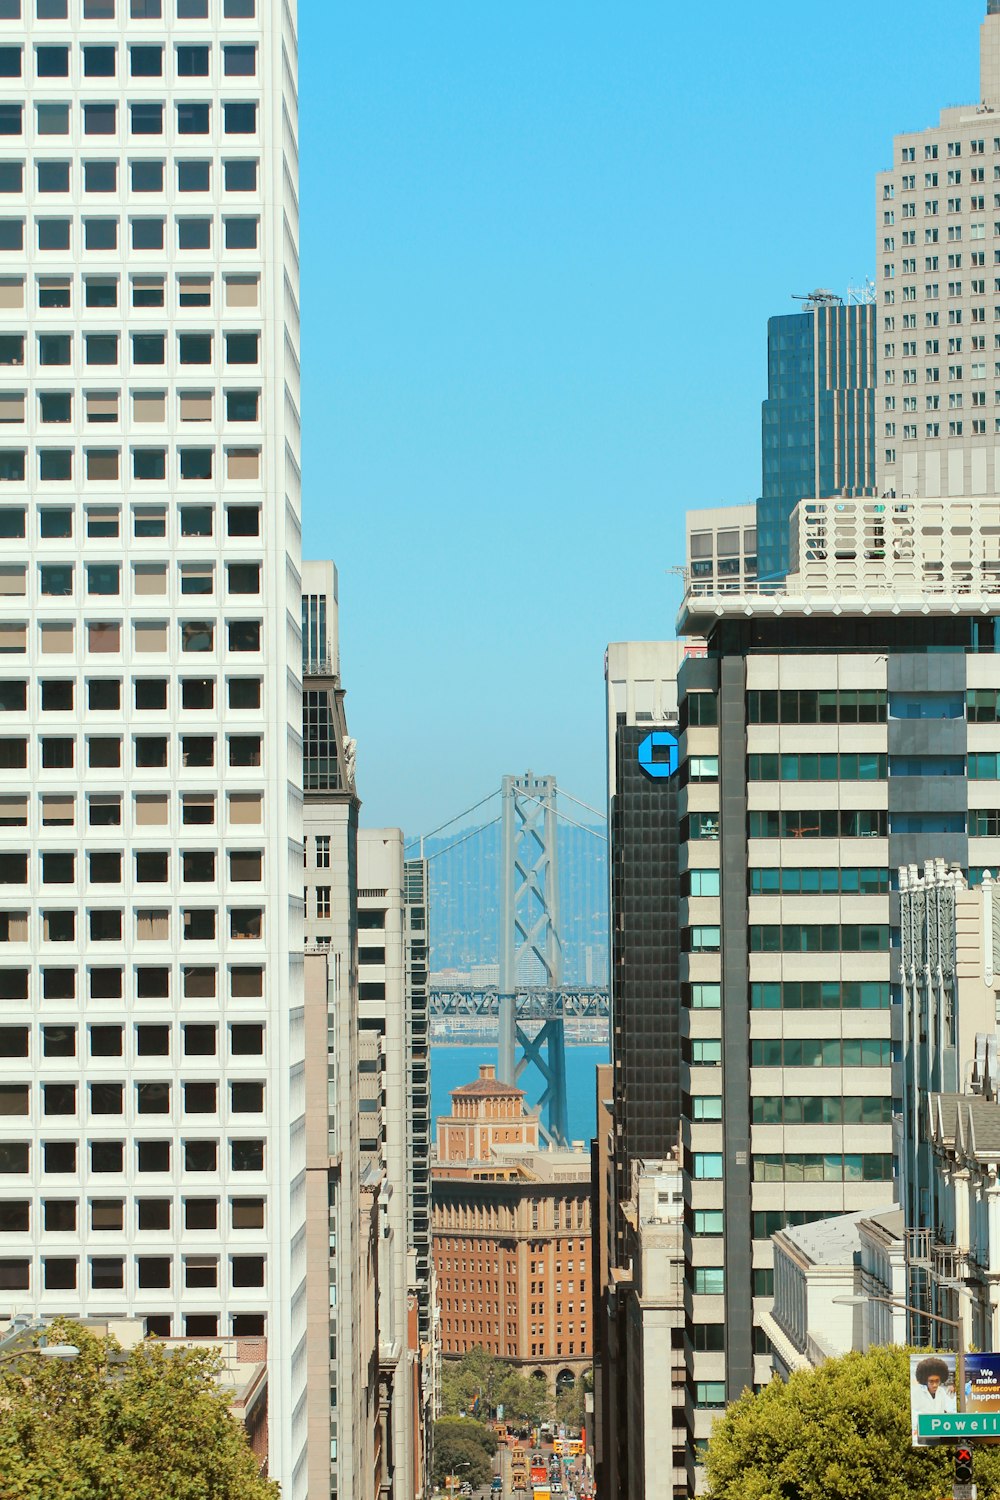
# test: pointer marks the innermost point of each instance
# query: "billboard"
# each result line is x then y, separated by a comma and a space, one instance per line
937, 1414
932, 1393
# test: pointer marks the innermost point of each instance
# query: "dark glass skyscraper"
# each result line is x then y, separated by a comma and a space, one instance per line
818, 437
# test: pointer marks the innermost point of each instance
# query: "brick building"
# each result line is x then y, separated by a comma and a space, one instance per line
511, 1235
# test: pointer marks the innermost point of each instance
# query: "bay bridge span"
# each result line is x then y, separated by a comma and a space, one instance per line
530, 1001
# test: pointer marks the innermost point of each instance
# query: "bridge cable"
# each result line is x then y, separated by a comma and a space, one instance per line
456, 819
562, 792
566, 819
470, 835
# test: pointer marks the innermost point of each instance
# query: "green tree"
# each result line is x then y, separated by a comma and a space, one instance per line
840, 1432
460, 1455
478, 1382
570, 1408
114, 1426
467, 1427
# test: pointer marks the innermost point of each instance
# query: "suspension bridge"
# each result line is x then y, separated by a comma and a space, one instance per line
530, 1001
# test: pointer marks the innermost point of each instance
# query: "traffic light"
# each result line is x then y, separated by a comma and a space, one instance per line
963, 1465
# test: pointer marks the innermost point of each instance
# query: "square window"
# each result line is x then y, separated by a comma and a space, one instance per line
242, 348
101, 348
52, 62
59, 1272
195, 291
239, 118
53, 291
153, 1156
195, 348
146, 119
146, 62
99, 62
100, 176
53, 234
54, 348
194, 176
193, 119
149, 463
59, 1156
55, 464
194, 234
201, 1156
147, 291
60, 1215
147, 234
100, 291
107, 1214
107, 1156
52, 176
100, 234
241, 234
201, 1213
52, 119
148, 348
244, 692
192, 62
154, 1213
199, 1040
147, 176
107, 1272
99, 119
240, 176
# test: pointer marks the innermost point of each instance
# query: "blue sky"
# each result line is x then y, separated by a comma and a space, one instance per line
540, 243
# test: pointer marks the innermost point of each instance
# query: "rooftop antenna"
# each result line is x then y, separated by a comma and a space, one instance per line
862, 296
818, 298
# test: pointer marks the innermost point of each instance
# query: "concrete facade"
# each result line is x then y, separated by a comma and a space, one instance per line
722, 545
937, 218
818, 1269
151, 677
829, 736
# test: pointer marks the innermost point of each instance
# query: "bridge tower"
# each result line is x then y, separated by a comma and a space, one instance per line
530, 949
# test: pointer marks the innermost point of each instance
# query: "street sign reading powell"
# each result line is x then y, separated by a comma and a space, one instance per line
958, 1424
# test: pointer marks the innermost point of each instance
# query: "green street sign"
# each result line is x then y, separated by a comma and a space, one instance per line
960, 1424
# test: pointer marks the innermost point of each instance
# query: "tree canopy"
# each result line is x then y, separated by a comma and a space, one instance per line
839, 1432
479, 1382
110, 1425
570, 1404
460, 1454
468, 1427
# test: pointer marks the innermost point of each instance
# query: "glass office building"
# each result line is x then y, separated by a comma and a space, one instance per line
818, 422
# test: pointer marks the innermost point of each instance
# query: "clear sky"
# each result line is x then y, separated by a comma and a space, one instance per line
540, 243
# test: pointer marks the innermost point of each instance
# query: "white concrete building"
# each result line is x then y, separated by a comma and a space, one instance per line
818, 1269
938, 218
151, 969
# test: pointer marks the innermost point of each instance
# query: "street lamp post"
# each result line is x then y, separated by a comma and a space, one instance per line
959, 1326
44, 1351
955, 1323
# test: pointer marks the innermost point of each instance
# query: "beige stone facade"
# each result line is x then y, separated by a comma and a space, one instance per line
938, 221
